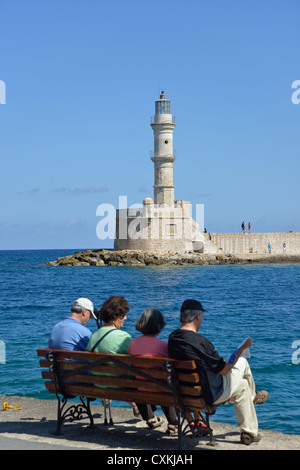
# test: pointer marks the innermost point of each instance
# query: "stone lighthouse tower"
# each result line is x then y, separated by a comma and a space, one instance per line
163, 125
163, 224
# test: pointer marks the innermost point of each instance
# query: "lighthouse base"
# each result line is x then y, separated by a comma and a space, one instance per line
162, 229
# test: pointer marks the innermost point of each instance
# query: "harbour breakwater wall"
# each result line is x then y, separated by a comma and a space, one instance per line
256, 243
223, 248
104, 257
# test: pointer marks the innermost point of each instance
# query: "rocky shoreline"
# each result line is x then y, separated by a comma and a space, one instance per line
106, 257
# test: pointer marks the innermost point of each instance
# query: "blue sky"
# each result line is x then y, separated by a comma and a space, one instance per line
81, 78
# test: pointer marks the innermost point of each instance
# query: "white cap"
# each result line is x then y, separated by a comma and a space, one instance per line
85, 303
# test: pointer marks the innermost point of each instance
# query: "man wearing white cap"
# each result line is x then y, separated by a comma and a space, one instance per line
71, 333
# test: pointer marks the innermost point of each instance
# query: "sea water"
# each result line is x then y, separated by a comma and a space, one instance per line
261, 301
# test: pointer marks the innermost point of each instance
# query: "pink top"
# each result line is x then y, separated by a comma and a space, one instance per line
148, 346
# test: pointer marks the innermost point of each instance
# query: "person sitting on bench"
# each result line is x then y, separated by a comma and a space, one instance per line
150, 324
71, 334
110, 338
221, 381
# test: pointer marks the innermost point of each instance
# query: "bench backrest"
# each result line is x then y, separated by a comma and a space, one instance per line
122, 377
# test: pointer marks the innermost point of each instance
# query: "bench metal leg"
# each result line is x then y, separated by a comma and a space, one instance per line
72, 413
107, 405
180, 429
183, 429
212, 441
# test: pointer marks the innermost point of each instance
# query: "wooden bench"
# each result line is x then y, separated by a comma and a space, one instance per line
156, 381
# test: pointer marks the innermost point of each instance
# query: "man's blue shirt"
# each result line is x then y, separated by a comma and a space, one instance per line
69, 334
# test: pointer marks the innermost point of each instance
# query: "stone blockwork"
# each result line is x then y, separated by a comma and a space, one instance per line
245, 243
155, 228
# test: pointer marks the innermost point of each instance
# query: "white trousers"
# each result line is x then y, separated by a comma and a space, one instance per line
239, 385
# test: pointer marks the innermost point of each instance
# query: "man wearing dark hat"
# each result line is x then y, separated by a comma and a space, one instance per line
220, 380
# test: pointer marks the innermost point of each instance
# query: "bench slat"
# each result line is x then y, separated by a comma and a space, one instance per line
156, 373
109, 381
133, 360
120, 394
127, 382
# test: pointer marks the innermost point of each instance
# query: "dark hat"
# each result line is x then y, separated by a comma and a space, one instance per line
191, 304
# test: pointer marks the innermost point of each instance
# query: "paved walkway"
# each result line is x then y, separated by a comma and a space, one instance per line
33, 425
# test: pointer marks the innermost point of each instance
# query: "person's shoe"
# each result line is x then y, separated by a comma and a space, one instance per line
155, 422
202, 428
172, 429
247, 438
261, 397
198, 428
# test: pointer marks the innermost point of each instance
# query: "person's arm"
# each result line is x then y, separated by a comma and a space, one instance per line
227, 368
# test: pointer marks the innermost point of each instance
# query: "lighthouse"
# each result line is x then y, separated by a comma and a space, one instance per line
162, 224
163, 124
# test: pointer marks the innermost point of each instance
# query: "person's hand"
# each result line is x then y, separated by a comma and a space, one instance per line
248, 343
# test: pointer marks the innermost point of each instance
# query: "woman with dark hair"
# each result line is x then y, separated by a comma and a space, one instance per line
150, 324
110, 338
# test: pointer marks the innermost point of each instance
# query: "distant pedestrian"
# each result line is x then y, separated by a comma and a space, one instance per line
243, 227
249, 227
270, 247
284, 247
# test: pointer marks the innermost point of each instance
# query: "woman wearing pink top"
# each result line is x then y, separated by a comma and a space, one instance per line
150, 324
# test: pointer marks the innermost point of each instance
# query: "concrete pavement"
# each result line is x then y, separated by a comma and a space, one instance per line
32, 427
